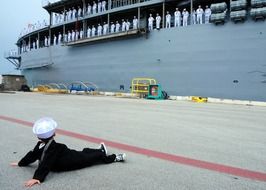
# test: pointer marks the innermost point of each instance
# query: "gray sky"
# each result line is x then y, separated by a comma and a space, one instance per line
14, 16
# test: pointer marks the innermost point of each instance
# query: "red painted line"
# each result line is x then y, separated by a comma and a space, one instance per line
160, 155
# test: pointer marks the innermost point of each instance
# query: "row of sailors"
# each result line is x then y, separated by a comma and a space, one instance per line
93, 31
197, 18
78, 13
33, 27
75, 35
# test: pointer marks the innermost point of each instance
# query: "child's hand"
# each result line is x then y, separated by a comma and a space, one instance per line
31, 182
13, 164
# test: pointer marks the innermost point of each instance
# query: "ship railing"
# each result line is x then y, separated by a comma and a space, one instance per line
79, 86
11, 54
108, 36
33, 28
13, 57
58, 86
51, 88
120, 3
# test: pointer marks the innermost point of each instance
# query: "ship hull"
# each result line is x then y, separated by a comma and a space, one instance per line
224, 61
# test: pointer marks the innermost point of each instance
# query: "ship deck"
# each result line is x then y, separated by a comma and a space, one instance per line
169, 144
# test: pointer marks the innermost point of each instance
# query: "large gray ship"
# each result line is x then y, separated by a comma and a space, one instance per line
225, 58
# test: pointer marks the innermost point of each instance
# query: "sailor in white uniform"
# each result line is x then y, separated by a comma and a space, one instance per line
177, 18
105, 28
99, 6
60, 19
69, 36
117, 27
73, 35
45, 41
81, 34
74, 12
207, 14
168, 20
88, 32
76, 35
59, 38
185, 17
65, 37
103, 5
127, 25
49, 41
112, 28
99, 30
79, 12
69, 14
199, 15
55, 40
135, 23
37, 43
123, 25
55, 18
89, 9
63, 16
150, 22
33, 47
94, 8
194, 15
93, 31
158, 21
66, 15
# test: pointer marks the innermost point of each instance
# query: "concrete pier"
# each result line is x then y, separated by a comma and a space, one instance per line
169, 144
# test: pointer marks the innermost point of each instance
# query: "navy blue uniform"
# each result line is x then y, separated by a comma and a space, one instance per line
58, 157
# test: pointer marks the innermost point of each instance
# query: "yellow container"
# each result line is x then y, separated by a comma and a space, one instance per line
199, 99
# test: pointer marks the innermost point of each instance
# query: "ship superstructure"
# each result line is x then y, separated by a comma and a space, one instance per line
225, 58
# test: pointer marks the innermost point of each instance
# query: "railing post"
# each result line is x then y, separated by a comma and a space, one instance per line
138, 17
163, 14
108, 20
191, 10
29, 43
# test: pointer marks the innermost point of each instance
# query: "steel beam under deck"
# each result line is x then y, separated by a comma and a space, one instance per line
106, 37
15, 60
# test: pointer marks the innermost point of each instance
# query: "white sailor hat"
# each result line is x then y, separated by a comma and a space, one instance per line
44, 128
